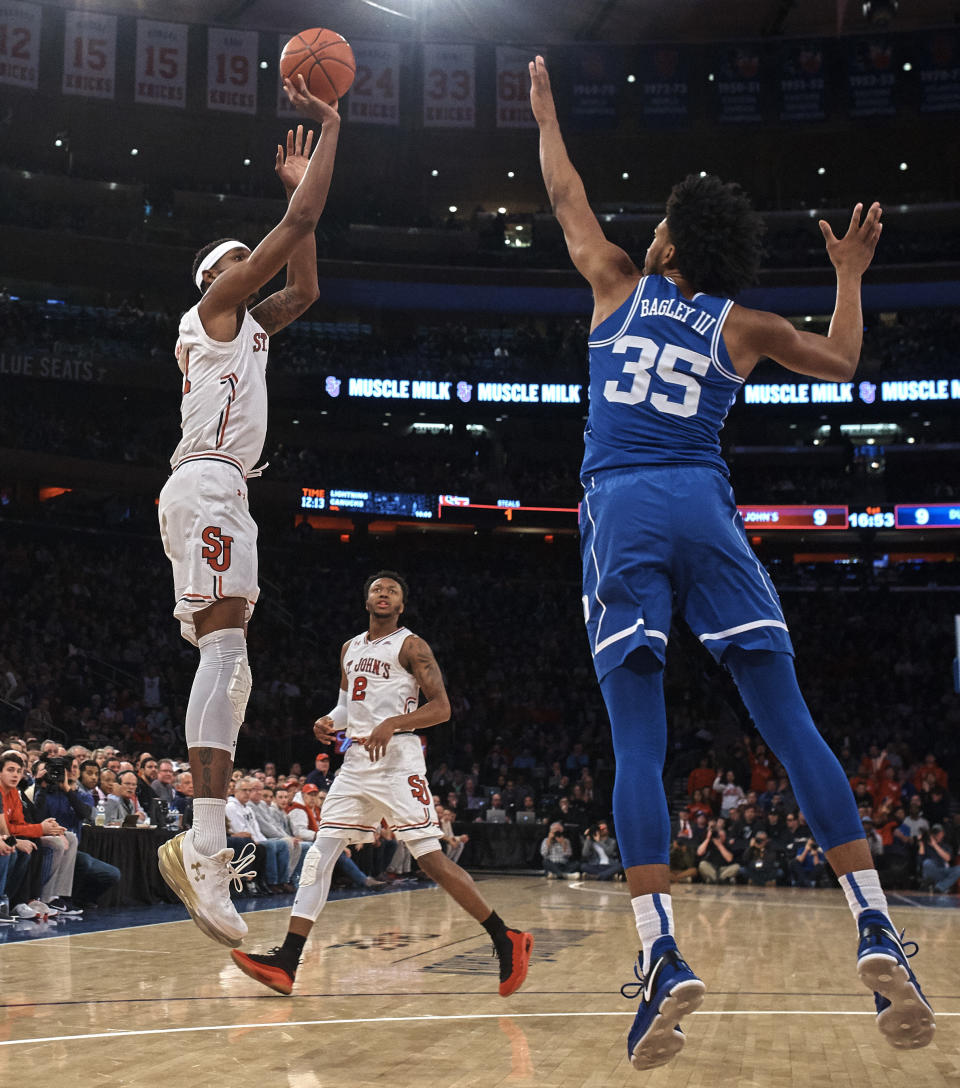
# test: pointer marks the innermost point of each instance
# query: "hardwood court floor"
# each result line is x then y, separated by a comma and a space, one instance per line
399, 989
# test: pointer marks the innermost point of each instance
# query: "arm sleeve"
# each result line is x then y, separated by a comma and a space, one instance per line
339, 712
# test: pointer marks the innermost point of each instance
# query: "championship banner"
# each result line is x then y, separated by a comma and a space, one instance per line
161, 65
872, 77
938, 63
374, 98
284, 109
801, 82
513, 86
19, 44
89, 54
663, 74
596, 74
738, 84
232, 58
449, 86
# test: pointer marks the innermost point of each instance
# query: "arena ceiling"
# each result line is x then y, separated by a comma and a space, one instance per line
545, 22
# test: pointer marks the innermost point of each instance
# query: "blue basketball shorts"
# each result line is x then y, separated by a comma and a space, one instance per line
661, 534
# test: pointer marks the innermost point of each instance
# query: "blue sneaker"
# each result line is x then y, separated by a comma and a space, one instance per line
668, 991
904, 1016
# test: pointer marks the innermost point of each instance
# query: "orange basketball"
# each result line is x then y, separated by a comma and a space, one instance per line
324, 59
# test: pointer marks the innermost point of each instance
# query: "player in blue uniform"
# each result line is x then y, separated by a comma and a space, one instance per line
669, 351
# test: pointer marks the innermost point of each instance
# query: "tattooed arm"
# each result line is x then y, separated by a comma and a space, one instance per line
301, 290
417, 658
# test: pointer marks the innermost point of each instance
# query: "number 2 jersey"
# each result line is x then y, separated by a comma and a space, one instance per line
661, 381
378, 686
224, 408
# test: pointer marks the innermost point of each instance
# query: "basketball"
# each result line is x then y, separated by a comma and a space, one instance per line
324, 59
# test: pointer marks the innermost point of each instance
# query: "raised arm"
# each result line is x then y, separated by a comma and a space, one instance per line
301, 288
751, 334
244, 278
605, 266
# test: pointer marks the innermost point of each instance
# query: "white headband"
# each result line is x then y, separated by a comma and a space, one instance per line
213, 256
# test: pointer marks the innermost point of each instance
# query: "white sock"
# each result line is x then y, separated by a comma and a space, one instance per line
863, 892
654, 915
209, 825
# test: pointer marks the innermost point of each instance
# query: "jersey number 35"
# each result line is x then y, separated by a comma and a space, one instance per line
641, 366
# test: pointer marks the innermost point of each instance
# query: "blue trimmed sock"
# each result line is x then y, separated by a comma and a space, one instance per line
654, 915
863, 892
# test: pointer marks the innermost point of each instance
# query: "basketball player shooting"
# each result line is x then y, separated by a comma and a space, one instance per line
383, 670
208, 533
669, 351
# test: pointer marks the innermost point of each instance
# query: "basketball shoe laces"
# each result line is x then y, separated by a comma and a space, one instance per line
632, 990
904, 945
238, 870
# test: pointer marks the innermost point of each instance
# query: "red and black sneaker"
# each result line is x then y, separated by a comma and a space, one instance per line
514, 954
272, 969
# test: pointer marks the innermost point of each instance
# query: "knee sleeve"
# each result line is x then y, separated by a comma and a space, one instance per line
419, 847
221, 688
315, 876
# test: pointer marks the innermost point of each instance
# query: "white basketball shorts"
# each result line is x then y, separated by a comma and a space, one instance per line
209, 537
394, 789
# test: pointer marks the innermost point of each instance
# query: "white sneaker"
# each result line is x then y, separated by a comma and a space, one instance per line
42, 909
203, 885
21, 910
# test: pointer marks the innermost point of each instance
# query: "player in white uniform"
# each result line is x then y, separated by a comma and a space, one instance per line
208, 533
382, 673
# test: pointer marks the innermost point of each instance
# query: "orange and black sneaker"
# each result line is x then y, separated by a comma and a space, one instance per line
514, 954
272, 969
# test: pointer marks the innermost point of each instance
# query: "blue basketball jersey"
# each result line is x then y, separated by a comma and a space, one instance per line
661, 381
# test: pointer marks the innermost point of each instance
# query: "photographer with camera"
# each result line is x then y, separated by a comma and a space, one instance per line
760, 866
715, 858
557, 853
936, 861
57, 793
600, 855
808, 869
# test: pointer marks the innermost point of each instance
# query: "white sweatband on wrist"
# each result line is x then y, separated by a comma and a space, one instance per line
339, 712
214, 255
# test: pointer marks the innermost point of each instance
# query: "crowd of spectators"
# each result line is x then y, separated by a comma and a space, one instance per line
745, 825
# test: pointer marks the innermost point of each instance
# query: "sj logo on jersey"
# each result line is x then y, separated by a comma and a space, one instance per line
216, 550
261, 342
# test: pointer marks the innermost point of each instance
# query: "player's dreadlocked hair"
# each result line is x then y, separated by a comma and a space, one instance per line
398, 578
201, 253
717, 234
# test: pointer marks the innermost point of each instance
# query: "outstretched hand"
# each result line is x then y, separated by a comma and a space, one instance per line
308, 104
541, 96
291, 164
854, 251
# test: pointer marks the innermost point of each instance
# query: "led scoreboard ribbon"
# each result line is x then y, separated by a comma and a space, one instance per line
432, 507
794, 517
931, 515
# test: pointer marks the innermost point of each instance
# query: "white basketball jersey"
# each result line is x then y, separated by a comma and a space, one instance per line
378, 686
224, 405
